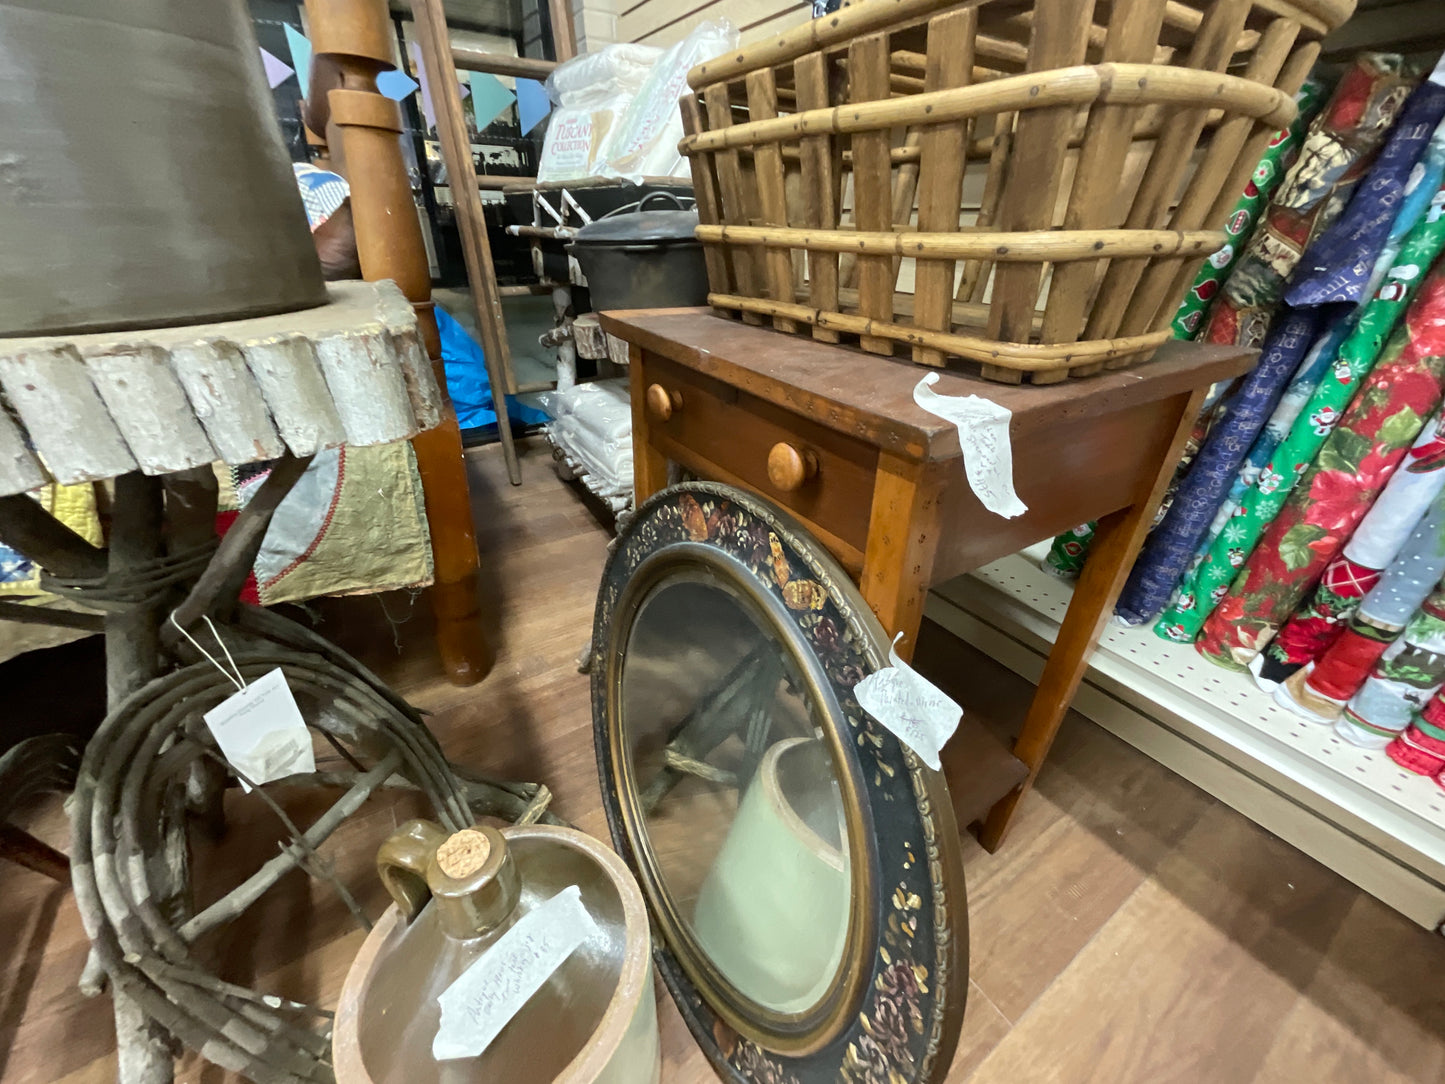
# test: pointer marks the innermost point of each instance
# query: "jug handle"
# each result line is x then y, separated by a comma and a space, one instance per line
401, 864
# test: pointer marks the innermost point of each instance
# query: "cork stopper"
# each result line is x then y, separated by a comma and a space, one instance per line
473, 881
464, 853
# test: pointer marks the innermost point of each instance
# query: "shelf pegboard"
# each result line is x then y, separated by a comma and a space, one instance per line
1362, 792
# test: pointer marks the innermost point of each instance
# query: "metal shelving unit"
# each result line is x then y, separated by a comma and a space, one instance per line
1352, 809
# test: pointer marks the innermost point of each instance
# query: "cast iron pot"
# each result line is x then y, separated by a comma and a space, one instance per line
643, 260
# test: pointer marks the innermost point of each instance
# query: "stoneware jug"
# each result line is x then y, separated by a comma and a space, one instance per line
594, 1021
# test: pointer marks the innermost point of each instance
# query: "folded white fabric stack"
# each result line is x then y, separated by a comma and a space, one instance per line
592, 431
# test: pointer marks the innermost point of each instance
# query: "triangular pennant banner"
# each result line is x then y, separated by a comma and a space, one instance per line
300, 58
396, 84
277, 70
533, 105
489, 98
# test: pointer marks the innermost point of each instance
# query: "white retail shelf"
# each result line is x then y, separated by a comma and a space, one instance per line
1379, 825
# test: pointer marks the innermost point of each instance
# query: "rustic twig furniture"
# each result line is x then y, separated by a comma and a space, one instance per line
833, 436
155, 407
1102, 145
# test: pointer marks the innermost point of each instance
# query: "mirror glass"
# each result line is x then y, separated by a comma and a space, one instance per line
738, 795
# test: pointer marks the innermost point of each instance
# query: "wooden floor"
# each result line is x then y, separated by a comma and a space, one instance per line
1131, 929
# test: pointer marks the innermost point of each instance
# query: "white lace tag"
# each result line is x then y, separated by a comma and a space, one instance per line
261, 732
988, 458
486, 995
910, 707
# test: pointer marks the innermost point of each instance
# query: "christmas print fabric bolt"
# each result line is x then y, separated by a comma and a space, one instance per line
1339, 148
1338, 488
1421, 748
1341, 259
1385, 528
1190, 605
1355, 358
1406, 676
1173, 542
1320, 691
1273, 164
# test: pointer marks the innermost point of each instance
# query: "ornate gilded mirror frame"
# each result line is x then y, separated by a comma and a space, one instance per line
894, 1009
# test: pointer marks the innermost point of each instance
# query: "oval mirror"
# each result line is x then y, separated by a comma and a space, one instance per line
803, 867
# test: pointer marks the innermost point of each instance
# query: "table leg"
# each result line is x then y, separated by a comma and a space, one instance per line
903, 529
1111, 555
649, 466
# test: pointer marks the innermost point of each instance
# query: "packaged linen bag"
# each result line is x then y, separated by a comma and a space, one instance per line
644, 142
591, 92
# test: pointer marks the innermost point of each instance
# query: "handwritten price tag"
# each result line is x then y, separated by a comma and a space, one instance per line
983, 434
486, 995
910, 707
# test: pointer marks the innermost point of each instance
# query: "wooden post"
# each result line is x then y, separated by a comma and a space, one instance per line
564, 39
649, 468
446, 96
356, 36
20, 847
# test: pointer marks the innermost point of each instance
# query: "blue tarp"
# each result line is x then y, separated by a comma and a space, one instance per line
466, 369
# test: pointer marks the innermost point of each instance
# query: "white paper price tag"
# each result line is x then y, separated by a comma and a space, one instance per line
910, 707
486, 995
261, 732
988, 457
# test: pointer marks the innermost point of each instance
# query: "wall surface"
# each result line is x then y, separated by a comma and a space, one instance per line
662, 22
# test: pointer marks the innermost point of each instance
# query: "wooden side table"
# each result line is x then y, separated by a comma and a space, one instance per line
833, 435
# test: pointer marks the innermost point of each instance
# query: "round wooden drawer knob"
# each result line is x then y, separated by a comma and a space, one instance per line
789, 467
661, 403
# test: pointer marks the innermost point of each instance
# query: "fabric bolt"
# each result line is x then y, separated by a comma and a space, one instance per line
1354, 345
1337, 151
1408, 673
1069, 551
1278, 157
1338, 487
1320, 690
1187, 608
1171, 544
1421, 747
1349, 577
1354, 358
1339, 263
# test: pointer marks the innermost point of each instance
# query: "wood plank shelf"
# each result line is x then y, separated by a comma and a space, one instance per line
1352, 809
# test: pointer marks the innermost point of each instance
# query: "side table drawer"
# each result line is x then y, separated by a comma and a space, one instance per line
718, 432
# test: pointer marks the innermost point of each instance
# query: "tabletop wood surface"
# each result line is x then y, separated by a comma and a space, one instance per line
867, 396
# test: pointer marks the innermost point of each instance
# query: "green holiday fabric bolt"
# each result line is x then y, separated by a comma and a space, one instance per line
1272, 166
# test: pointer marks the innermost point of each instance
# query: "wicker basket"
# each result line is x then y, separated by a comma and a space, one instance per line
1046, 175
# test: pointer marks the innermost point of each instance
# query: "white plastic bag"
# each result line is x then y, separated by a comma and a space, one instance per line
643, 143
617, 69
591, 92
